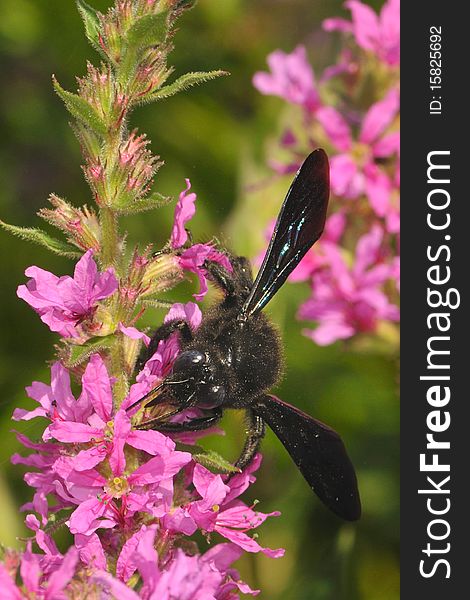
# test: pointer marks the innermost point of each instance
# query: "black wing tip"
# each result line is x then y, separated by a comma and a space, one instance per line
322, 168
319, 156
351, 511
347, 506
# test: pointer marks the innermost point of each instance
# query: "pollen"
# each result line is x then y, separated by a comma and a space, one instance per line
216, 507
118, 486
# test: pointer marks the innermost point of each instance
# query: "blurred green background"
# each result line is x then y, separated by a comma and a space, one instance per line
218, 135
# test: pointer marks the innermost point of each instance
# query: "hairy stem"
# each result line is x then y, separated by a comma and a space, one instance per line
109, 237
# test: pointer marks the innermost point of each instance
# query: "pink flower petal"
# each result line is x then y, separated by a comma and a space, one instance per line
378, 189
291, 78
336, 128
93, 285
46, 543
87, 459
337, 24
117, 588
20, 414
210, 487
122, 428
389, 144
152, 442
60, 578
8, 586
184, 211
61, 392
159, 468
240, 482
179, 521
346, 179
366, 24
90, 550
62, 302
329, 332
379, 116
193, 259
334, 227
368, 250
30, 570
222, 555
247, 543
84, 517
189, 312
40, 392
134, 333
390, 32
67, 431
97, 386
126, 563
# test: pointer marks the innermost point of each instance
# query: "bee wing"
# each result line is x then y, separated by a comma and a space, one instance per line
318, 452
299, 225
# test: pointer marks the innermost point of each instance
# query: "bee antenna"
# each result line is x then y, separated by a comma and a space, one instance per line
176, 382
146, 396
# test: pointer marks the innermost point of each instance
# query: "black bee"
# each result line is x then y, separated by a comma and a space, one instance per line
235, 356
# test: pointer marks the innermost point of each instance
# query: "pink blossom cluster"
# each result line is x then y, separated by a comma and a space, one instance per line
129, 497
354, 270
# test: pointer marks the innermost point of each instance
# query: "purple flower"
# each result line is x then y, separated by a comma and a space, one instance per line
346, 301
184, 577
40, 577
108, 502
354, 171
95, 432
193, 258
184, 211
134, 334
291, 78
44, 457
218, 510
377, 34
56, 401
65, 303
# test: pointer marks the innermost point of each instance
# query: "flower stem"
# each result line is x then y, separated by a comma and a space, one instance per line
109, 237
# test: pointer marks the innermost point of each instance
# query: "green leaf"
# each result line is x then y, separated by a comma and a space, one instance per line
81, 109
91, 21
144, 32
149, 30
38, 236
154, 201
209, 459
183, 83
79, 354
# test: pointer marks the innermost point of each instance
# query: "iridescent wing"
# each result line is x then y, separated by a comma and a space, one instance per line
299, 225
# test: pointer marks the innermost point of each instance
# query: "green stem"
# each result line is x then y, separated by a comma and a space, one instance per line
109, 237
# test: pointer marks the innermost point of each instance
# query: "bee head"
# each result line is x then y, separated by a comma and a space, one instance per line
201, 382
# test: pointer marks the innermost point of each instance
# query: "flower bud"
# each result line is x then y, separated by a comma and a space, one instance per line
80, 225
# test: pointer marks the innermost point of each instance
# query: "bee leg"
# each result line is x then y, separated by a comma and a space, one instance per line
195, 425
236, 282
222, 278
163, 333
255, 433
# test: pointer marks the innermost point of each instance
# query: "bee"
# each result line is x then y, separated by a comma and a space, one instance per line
235, 357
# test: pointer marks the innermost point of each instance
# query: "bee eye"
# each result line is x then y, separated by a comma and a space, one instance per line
214, 396
189, 359
196, 357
